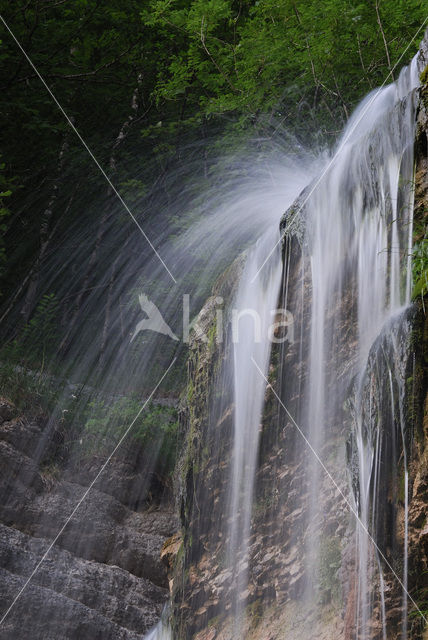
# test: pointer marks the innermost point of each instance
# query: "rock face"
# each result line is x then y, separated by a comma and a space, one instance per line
200, 585
103, 578
418, 410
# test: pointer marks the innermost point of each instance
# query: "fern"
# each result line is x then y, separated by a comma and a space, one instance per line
38, 338
420, 268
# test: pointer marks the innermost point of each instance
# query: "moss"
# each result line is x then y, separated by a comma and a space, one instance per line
420, 268
51, 474
424, 96
424, 76
196, 462
212, 333
255, 613
214, 622
190, 391
330, 561
264, 504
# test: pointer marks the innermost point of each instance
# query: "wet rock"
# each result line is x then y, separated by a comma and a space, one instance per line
7, 410
109, 591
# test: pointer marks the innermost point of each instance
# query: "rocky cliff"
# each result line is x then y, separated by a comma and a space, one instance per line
103, 578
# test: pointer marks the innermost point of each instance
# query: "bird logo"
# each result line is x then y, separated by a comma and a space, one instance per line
154, 320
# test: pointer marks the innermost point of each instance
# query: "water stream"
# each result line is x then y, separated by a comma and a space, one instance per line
358, 230
256, 301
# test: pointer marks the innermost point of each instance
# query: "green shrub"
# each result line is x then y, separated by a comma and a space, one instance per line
154, 431
36, 343
420, 268
28, 390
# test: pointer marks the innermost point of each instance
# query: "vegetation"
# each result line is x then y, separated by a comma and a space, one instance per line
421, 612
145, 83
143, 79
5, 193
28, 391
303, 63
420, 268
155, 430
147, 79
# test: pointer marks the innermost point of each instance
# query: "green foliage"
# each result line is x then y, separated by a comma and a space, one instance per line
31, 392
422, 601
154, 429
420, 268
287, 60
424, 75
38, 338
189, 68
142, 80
265, 504
255, 613
23, 378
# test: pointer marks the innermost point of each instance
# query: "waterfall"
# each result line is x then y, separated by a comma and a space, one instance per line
379, 300
358, 231
108, 381
162, 631
253, 314
256, 301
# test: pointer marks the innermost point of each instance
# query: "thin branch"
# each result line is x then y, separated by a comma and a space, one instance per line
384, 38
75, 76
360, 53
345, 108
225, 76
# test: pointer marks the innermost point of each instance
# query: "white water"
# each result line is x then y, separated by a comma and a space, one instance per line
161, 631
379, 300
255, 303
358, 234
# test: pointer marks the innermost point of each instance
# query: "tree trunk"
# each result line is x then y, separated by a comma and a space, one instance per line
103, 225
45, 237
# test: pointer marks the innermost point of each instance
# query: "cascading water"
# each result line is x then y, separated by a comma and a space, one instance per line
248, 337
256, 301
358, 230
104, 369
383, 256
357, 240
162, 631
